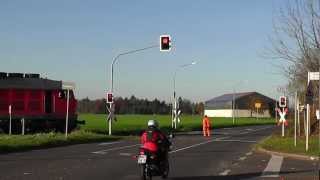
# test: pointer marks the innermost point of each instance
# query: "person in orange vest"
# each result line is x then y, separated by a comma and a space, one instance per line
206, 126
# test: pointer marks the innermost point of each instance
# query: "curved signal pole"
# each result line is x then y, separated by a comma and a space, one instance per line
111, 105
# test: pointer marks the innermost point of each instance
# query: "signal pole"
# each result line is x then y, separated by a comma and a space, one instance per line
111, 105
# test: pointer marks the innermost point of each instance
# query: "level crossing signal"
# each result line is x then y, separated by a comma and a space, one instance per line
109, 98
283, 101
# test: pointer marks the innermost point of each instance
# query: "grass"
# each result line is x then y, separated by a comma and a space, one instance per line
45, 140
95, 130
286, 145
133, 124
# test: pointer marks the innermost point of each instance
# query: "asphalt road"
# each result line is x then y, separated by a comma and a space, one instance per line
227, 154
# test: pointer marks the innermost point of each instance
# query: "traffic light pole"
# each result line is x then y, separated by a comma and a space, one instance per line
111, 105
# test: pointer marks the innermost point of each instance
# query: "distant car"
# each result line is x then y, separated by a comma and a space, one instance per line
41, 102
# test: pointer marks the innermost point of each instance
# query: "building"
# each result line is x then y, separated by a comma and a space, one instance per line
247, 104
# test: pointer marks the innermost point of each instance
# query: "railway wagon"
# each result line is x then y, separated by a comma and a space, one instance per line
41, 102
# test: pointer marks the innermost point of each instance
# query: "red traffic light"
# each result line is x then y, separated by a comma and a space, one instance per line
283, 101
109, 98
165, 43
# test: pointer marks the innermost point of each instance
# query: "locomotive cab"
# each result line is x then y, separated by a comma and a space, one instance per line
42, 103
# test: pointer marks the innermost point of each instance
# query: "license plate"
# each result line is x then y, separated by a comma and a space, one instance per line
142, 159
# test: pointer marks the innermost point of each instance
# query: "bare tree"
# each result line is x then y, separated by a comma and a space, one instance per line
296, 41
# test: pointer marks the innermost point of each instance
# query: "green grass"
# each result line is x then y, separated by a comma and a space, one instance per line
95, 130
133, 124
286, 145
44, 140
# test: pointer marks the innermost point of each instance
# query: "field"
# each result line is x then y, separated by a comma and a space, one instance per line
95, 130
133, 124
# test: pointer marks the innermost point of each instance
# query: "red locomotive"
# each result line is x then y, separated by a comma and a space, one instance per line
41, 102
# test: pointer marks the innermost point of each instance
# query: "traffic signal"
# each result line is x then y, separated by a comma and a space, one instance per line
165, 43
109, 98
283, 101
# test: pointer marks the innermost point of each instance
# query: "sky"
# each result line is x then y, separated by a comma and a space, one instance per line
77, 40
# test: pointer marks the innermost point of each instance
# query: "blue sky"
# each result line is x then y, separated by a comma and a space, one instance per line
76, 41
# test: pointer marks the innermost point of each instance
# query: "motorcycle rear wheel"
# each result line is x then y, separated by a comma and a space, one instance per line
143, 173
166, 171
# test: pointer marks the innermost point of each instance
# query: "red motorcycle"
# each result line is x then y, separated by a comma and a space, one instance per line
153, 164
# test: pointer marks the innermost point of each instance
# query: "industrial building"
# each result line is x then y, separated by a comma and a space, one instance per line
246, 104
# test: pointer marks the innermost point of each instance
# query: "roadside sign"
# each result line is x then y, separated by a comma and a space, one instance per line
282, 115
257, 105
301, 108
318, 114
282, 119
313, 76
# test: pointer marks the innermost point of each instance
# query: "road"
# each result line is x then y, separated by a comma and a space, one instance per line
227, 154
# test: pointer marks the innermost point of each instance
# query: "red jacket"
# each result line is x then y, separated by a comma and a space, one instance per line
150, 138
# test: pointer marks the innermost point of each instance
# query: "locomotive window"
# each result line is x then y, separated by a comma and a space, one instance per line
62, 94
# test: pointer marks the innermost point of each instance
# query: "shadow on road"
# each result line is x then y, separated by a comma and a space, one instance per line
244, 176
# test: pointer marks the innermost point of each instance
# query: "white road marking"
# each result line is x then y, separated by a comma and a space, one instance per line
242, 158
27, 173
247, 132
249, 153
195, 145
231, 140
273, 167
125, 154
108, 143
224, 173
116, 148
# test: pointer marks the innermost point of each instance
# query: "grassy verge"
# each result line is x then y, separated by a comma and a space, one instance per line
286, 144
133, 124
44, 140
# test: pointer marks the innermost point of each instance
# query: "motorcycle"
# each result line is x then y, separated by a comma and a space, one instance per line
151, 164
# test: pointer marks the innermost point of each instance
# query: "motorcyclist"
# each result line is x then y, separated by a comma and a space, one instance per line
155, 141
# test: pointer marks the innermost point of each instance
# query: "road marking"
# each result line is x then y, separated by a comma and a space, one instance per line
255, 130
125, 154
195, 145
230, 140
112, 149
224, 173
242, 158
273, 167
27, 173
249, 153
108, 143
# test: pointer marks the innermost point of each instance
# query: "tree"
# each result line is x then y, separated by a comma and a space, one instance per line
200, 108
296, 41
